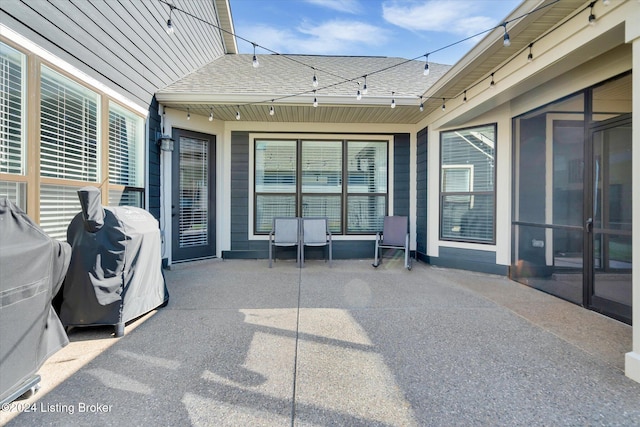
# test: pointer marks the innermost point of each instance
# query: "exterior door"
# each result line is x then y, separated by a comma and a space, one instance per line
608, 224
193, 196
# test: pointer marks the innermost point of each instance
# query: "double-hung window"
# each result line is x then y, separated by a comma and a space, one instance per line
467, 184
343, 180
69, 148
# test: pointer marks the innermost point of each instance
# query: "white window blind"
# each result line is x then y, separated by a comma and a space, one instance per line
125, 147
69, 147
275, 166
58, 205
321, 166
367, 199
467, 188
16, 192
12, 110
194, 181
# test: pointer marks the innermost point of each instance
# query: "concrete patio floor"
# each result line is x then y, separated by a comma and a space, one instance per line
240, 344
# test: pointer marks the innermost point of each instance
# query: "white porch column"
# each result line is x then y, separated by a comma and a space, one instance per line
632, 359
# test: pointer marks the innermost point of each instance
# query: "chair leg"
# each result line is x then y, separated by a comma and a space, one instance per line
270, 254
330, 254
301, 251
376, 255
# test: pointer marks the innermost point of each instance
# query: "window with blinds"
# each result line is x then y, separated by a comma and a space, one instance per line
69, 146
367, 188
125, 147
12, 111
16, 192
467, 184
58, 205
307, 178
276, 168
194, 192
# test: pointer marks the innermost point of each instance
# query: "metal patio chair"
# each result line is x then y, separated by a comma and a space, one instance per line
395, 235
285, 232
315, 232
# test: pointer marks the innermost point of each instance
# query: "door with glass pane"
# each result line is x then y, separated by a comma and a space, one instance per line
608, 226
193, 196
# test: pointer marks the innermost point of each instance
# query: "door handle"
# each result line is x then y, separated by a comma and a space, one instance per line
589, 225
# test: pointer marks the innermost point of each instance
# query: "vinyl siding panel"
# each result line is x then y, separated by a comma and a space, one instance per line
401, 163
421, 195
123, 44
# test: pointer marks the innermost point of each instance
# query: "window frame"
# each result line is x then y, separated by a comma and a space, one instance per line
32, 182
344, 194
471, 194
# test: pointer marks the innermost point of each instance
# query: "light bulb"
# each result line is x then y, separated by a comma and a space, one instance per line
426, 69
315, 80
443, 106
170, 29
358, 95
272, 111
238, 115
188, 114
507, 41
211, 115
393, 103
256, 64
364, 88
464, 100
492, 84
315, 102
421, 107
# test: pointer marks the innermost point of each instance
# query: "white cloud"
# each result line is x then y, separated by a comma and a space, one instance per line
462, 17
333, 37
347, 6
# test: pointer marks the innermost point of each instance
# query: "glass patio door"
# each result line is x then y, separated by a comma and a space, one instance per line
193, 196
608, 226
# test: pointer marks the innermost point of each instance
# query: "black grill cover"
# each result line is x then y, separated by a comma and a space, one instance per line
32, 267
115, 273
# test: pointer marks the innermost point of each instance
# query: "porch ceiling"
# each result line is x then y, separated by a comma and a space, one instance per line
490, 54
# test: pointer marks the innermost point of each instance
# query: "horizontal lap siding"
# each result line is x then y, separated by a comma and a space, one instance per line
401, 166
154, 160
123, 45
421, 195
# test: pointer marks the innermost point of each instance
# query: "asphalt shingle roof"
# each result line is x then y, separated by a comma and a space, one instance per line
287, 75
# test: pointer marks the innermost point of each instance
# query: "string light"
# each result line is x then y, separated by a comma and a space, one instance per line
393, 100
506, 40
443, 106
188, 114
211, 115
358, 95
315, 99
170, 29
592, 19
256, 64
238, 113
464, 100
421, 105
272, 110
